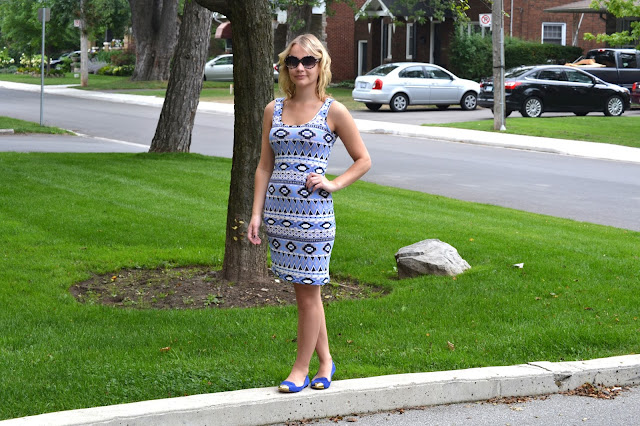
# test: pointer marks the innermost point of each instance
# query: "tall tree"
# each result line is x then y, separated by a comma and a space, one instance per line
173, 133
252, 39
619, 9
155, 30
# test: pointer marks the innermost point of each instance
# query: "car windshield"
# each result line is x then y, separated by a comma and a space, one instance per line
516, 72
382, 69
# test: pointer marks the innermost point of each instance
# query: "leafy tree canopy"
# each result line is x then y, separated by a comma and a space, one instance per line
619, 9
21, 31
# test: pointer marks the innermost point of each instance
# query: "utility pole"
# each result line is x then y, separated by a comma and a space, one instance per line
497, 28
84, 47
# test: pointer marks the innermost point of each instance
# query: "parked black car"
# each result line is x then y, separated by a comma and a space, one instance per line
533, 90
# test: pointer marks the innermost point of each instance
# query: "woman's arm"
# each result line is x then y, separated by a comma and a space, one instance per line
340, 120
263, 174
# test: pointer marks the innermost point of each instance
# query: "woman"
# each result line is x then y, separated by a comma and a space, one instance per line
293, 196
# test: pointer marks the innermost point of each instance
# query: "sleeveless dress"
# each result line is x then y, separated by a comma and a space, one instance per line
300, 224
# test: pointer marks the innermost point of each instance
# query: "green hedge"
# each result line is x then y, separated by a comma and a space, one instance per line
471, 55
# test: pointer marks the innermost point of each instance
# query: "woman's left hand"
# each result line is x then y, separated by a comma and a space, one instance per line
317, 181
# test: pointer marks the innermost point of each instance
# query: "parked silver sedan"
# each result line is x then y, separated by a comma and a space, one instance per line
220, 68
401, 84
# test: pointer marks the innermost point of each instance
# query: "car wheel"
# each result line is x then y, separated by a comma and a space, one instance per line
399, 102
532, 107
614, 106
442, 107
373, 107
581, 113
469, 101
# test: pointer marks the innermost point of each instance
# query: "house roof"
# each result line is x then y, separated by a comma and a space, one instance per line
394, 8
583, 6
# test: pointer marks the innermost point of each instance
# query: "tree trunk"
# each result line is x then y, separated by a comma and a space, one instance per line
253, 77
299, 20
173, 133
155, 31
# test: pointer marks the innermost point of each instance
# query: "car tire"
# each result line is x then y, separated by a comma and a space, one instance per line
532, 107
442, 107
580, 113
469, 101
399, 102
614, 106
373, 107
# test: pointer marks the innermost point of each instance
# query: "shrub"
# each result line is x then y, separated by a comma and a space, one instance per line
5, 59
472, 55
124, 70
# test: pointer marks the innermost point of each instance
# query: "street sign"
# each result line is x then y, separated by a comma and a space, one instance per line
44, 11
485, 19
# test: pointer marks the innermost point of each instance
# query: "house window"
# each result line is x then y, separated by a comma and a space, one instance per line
387, 31
554, 33
472, 28
411, 41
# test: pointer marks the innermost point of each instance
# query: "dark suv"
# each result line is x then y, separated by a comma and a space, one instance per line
533, 90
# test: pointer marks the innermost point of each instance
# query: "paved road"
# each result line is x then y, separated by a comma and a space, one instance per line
556, 410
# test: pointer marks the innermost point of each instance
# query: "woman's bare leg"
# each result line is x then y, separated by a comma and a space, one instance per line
312, 332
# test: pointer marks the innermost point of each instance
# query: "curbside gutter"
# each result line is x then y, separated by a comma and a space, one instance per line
267, 406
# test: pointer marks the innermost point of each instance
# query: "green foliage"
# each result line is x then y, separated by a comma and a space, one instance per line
619, 9
472, 55
117, 70
5, 59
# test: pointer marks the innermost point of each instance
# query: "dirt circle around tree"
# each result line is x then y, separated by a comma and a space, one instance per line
200, 287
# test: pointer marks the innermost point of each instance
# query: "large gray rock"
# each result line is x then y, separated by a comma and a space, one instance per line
429, 257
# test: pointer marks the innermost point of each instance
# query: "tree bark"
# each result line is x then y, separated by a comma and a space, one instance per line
299, 21
155, 31
173, 133
252, 38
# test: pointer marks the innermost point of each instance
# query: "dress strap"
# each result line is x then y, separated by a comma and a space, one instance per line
324, 110
277, 112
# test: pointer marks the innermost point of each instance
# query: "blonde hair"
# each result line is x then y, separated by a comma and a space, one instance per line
311, 44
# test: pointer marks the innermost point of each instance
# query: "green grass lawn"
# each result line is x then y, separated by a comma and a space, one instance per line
64, 217
593, 128
21, 126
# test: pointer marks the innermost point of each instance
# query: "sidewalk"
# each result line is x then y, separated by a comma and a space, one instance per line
345, 397
505, 140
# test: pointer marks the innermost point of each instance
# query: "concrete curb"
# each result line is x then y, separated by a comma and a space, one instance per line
6, 132
267, 406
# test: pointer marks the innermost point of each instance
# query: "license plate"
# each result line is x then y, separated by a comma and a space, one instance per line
488, 88
363, 85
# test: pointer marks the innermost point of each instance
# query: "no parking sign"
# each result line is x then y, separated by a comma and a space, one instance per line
485, 19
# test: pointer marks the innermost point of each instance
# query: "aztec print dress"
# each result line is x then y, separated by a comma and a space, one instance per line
300, 224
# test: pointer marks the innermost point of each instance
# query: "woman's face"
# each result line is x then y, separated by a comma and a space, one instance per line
301, 76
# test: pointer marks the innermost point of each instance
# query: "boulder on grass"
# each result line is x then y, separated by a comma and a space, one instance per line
429, 257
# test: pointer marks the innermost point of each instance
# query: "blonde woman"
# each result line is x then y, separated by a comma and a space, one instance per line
293, 197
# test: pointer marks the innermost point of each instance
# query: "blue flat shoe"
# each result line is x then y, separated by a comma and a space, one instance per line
322, 382
290, 387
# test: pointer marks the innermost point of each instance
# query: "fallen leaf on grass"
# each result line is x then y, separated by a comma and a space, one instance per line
167, 349
452, 347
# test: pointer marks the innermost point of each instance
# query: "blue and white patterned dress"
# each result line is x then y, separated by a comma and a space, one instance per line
300, 224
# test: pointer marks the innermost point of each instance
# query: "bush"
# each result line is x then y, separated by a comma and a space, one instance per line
124, 70
472, 55
117, 57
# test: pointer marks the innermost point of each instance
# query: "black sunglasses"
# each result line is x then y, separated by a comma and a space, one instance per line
308, 62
